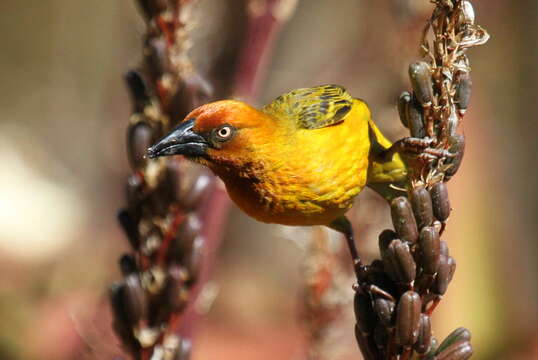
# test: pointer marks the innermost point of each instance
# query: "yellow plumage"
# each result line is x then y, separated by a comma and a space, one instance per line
300, 160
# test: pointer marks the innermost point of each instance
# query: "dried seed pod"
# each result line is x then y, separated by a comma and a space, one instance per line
399, 258
443, 248
424, 335
140, 136
193, 263
457, 147
445, 272
407, 319
381, 280
175, 294
467, 13
366, 344
128, 264
134, 192
381, 336
364, 313
463, 85
151, 8
421, 81
458, 351
183, 242
192, 91
384, 309
415, 119
403, 219
440, 202
121, 323
421, 203
155, 57
138, 90
459, 335
130, 228
385, 238
134, 299
429, 250
188, 182
403, 102
452, 265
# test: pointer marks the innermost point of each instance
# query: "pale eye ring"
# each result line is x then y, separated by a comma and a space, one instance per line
225, 132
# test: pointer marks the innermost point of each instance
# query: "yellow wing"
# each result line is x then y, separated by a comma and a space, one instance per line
312, 108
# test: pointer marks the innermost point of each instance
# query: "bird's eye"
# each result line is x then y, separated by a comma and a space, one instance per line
225, 132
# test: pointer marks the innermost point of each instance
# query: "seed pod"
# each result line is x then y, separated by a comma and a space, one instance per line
151, 8
445, 272
138, 90
192, 91
399, 258
188, 182
467, 13
134, 192
121, 323
415, 119
128, 264
433, 347
193, 263
130, 228
381, 336
460, 334
458, 351
443, 248
403, 219
429, 250
155, 57
452, 264
366, 345
381, 280
183, 242
134, 299
457, 147
140, 136
421, 81
403, 102
463, 84
440, 202
421, 203
364, 312
384, 309
407, 319
424, 335
385, 238
175, 295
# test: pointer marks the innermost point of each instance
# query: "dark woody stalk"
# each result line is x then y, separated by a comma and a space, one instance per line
398, 293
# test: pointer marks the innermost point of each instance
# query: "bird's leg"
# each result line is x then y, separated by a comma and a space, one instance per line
343, 225
414, 147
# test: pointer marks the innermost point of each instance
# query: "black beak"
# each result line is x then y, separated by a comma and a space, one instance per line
181, 141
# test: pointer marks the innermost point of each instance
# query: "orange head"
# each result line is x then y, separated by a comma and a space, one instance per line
225, 134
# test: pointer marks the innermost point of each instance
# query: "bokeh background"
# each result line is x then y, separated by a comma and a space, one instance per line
63, 114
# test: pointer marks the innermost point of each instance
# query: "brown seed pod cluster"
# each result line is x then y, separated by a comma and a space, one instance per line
161, 218
396, 295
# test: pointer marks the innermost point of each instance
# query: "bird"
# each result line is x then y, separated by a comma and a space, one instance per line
300, 160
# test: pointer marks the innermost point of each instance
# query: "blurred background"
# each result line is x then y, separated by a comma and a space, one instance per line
63, 113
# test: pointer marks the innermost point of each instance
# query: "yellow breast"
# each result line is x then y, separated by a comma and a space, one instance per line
308, 177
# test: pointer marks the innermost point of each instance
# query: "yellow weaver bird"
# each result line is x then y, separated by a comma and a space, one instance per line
299, 160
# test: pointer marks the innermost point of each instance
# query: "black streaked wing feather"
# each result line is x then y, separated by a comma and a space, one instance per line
312, 108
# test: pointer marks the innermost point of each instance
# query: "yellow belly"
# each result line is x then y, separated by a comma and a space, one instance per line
309, 179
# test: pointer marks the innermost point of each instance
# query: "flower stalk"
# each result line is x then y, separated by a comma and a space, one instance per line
398, 293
